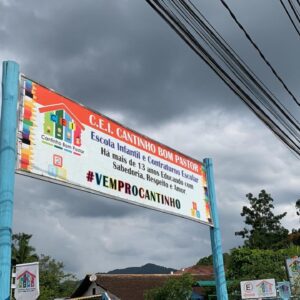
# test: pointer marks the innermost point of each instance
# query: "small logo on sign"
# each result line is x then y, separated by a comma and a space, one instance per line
26, 281
57, 160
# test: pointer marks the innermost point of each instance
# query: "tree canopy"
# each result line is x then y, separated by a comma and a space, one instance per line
54, 282
264, 229
208, 260
266, 246
22, 251
173, 289
251, 264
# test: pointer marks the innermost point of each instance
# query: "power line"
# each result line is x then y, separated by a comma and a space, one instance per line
190, 25
294, 10
244, 68
239, 59
288, 14
239, 73
259, 51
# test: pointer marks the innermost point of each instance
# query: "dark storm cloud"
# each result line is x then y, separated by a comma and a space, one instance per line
59, 200
273, 33
122, 58
108, 54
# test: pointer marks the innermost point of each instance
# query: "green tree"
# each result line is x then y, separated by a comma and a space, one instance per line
266, 231
173, 289
208, 260
54, 282
294, 236
22, 251
251, 264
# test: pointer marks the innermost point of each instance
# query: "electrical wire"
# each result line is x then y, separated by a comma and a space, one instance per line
244, 68
190, 26
237, 72
291, 19
296, 13
259, 51
275, 103
235, 54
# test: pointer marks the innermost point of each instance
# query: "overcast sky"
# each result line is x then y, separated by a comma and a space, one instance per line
121, 59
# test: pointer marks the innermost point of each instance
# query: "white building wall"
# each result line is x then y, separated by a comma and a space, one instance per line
98, 290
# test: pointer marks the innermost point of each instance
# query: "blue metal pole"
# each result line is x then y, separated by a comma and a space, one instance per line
215, 235
10, 83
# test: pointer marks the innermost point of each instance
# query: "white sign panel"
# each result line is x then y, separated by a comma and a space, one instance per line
293, 268
67, 143
284, 290
27, 281
258, 289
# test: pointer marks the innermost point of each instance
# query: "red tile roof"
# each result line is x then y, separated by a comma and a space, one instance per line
198, 270
61, 106
133, 286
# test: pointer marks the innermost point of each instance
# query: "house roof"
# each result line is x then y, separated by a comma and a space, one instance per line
264, 282
61, 106
133, 286
31, 274
198, 270
96, 297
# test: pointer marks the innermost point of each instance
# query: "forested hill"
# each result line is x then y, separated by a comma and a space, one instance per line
146, 269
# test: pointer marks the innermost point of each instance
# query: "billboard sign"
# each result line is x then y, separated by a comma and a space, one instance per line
258, 288
293, 268
27, 281
284, 290
66, 143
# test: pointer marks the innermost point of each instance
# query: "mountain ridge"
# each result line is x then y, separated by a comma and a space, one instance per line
148, 268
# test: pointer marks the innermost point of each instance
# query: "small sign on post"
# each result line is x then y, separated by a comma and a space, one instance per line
256, 289
293, 268
27, 281
284, 290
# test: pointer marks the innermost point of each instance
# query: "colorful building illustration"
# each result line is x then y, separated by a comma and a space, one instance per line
295, 266
26, 131
26, 280
264, 288
58, 122
62, 124
195, 212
